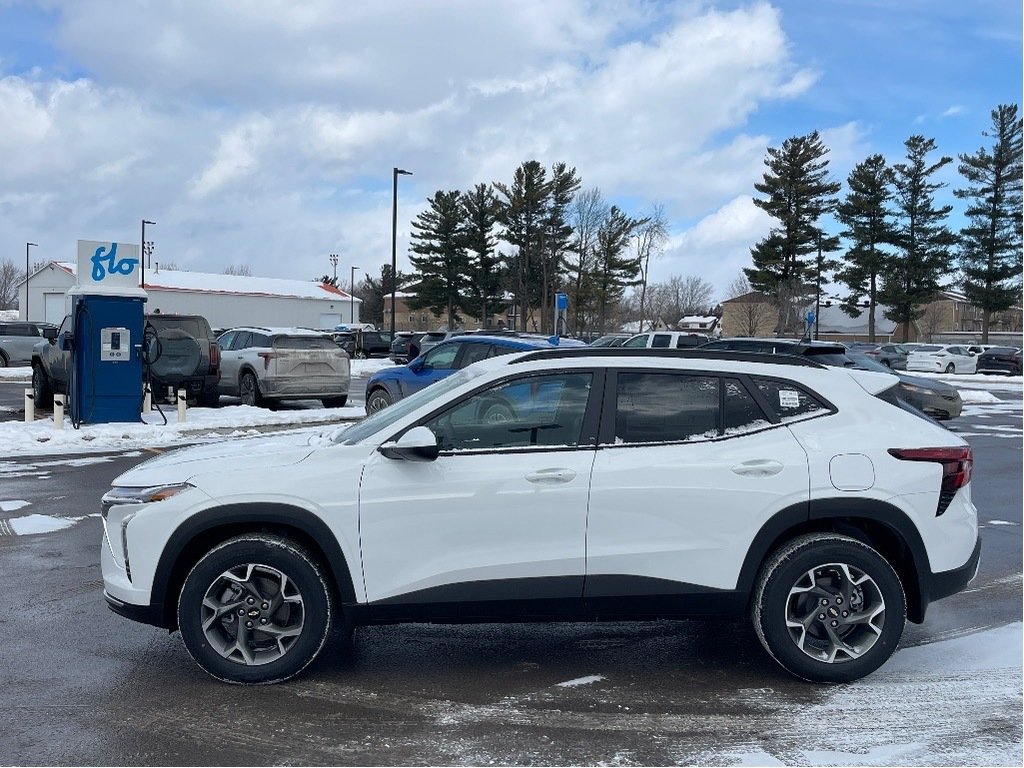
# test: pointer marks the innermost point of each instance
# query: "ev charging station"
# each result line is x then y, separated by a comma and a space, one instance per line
108, 319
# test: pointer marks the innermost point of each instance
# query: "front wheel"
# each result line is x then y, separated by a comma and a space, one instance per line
361, 354
377, 400
255, 609
950, 368
829, 608
3, 360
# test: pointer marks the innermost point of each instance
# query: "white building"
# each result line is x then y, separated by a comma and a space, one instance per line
224, 300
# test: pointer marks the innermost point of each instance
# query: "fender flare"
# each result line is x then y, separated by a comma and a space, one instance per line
169, 575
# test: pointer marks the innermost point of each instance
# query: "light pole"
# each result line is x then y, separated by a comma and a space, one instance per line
394, 239
35, 245
352, 296
333, 258
144, 252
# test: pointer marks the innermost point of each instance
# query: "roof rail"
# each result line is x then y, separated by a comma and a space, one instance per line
693, 353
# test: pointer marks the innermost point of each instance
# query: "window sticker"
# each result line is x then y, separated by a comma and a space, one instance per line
789, 398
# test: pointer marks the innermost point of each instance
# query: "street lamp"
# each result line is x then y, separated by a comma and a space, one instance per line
36, 245
394, 239
352, 296
144, 251
333, 258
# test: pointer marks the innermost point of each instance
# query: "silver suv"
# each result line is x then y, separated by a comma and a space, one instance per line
16, 341
264, 365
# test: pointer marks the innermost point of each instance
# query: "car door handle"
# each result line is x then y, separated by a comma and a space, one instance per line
551, 476
758, 468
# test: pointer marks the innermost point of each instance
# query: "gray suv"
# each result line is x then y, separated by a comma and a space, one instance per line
16, 341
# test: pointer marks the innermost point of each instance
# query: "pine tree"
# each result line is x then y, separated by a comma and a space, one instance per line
798, 193
865, 215
480, 212
990, 244
522, 213
372, 291
614, 269
557, 237
441, 264
912, 275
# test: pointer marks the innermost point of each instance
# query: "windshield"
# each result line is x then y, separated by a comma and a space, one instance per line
867, 364
384, 419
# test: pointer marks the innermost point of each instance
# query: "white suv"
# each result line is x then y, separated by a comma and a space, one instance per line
561, 484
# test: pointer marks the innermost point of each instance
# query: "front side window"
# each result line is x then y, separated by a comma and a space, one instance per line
788, 400
530, 412
243, 340
224, 342
441, 357
661, 341
636, 341
665, 407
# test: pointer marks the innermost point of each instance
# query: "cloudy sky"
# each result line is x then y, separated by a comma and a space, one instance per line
264, 132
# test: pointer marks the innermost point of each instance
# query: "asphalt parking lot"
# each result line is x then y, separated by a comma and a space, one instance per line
84, 686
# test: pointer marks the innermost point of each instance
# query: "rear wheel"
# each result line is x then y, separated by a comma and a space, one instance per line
829, 608
249, 390
255, 609
361, 354
42, 393
334, 402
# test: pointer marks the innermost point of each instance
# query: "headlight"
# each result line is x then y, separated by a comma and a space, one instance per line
914, 388
127, 495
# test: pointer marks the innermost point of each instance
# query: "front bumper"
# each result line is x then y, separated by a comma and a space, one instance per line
144, 614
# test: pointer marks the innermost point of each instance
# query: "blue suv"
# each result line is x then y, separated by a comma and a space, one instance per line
389, 385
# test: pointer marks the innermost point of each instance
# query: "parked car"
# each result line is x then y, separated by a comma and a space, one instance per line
346, 340
824, 352
179, 352
621, 484
182, 353
935, 398
611, 340
265, 365
942, 358
666, 340
405, 347
1000, 360
17, 338
390, 385
431, 339
889, 355
372, 344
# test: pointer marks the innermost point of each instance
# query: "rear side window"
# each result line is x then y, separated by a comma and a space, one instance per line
665, 407
742, 413
661, 341
473, 352
303, 342
789, 401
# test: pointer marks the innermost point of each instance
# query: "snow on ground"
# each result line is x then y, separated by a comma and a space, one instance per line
953, 702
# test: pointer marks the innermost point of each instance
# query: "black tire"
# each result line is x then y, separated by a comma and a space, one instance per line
249, 390
334, 402
3, 360
785, 598
361, 354
298, 617
42, 392
950, 368
377, 400
495, 411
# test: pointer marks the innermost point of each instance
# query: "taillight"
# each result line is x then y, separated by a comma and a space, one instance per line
957, 465
267, 357
214, 356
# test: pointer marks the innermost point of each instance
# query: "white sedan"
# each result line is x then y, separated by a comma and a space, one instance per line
942, 358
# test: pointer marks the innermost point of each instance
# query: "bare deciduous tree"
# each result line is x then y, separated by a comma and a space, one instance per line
241, 270
10, 277
677, 297
649, 239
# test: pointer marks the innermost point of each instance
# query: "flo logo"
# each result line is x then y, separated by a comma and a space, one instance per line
104, 263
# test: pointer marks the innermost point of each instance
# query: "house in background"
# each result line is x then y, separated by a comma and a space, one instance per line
224, 300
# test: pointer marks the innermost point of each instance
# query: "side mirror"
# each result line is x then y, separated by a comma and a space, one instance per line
418, 444
50, 333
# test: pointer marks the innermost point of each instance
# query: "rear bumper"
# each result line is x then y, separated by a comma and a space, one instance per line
935, 586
